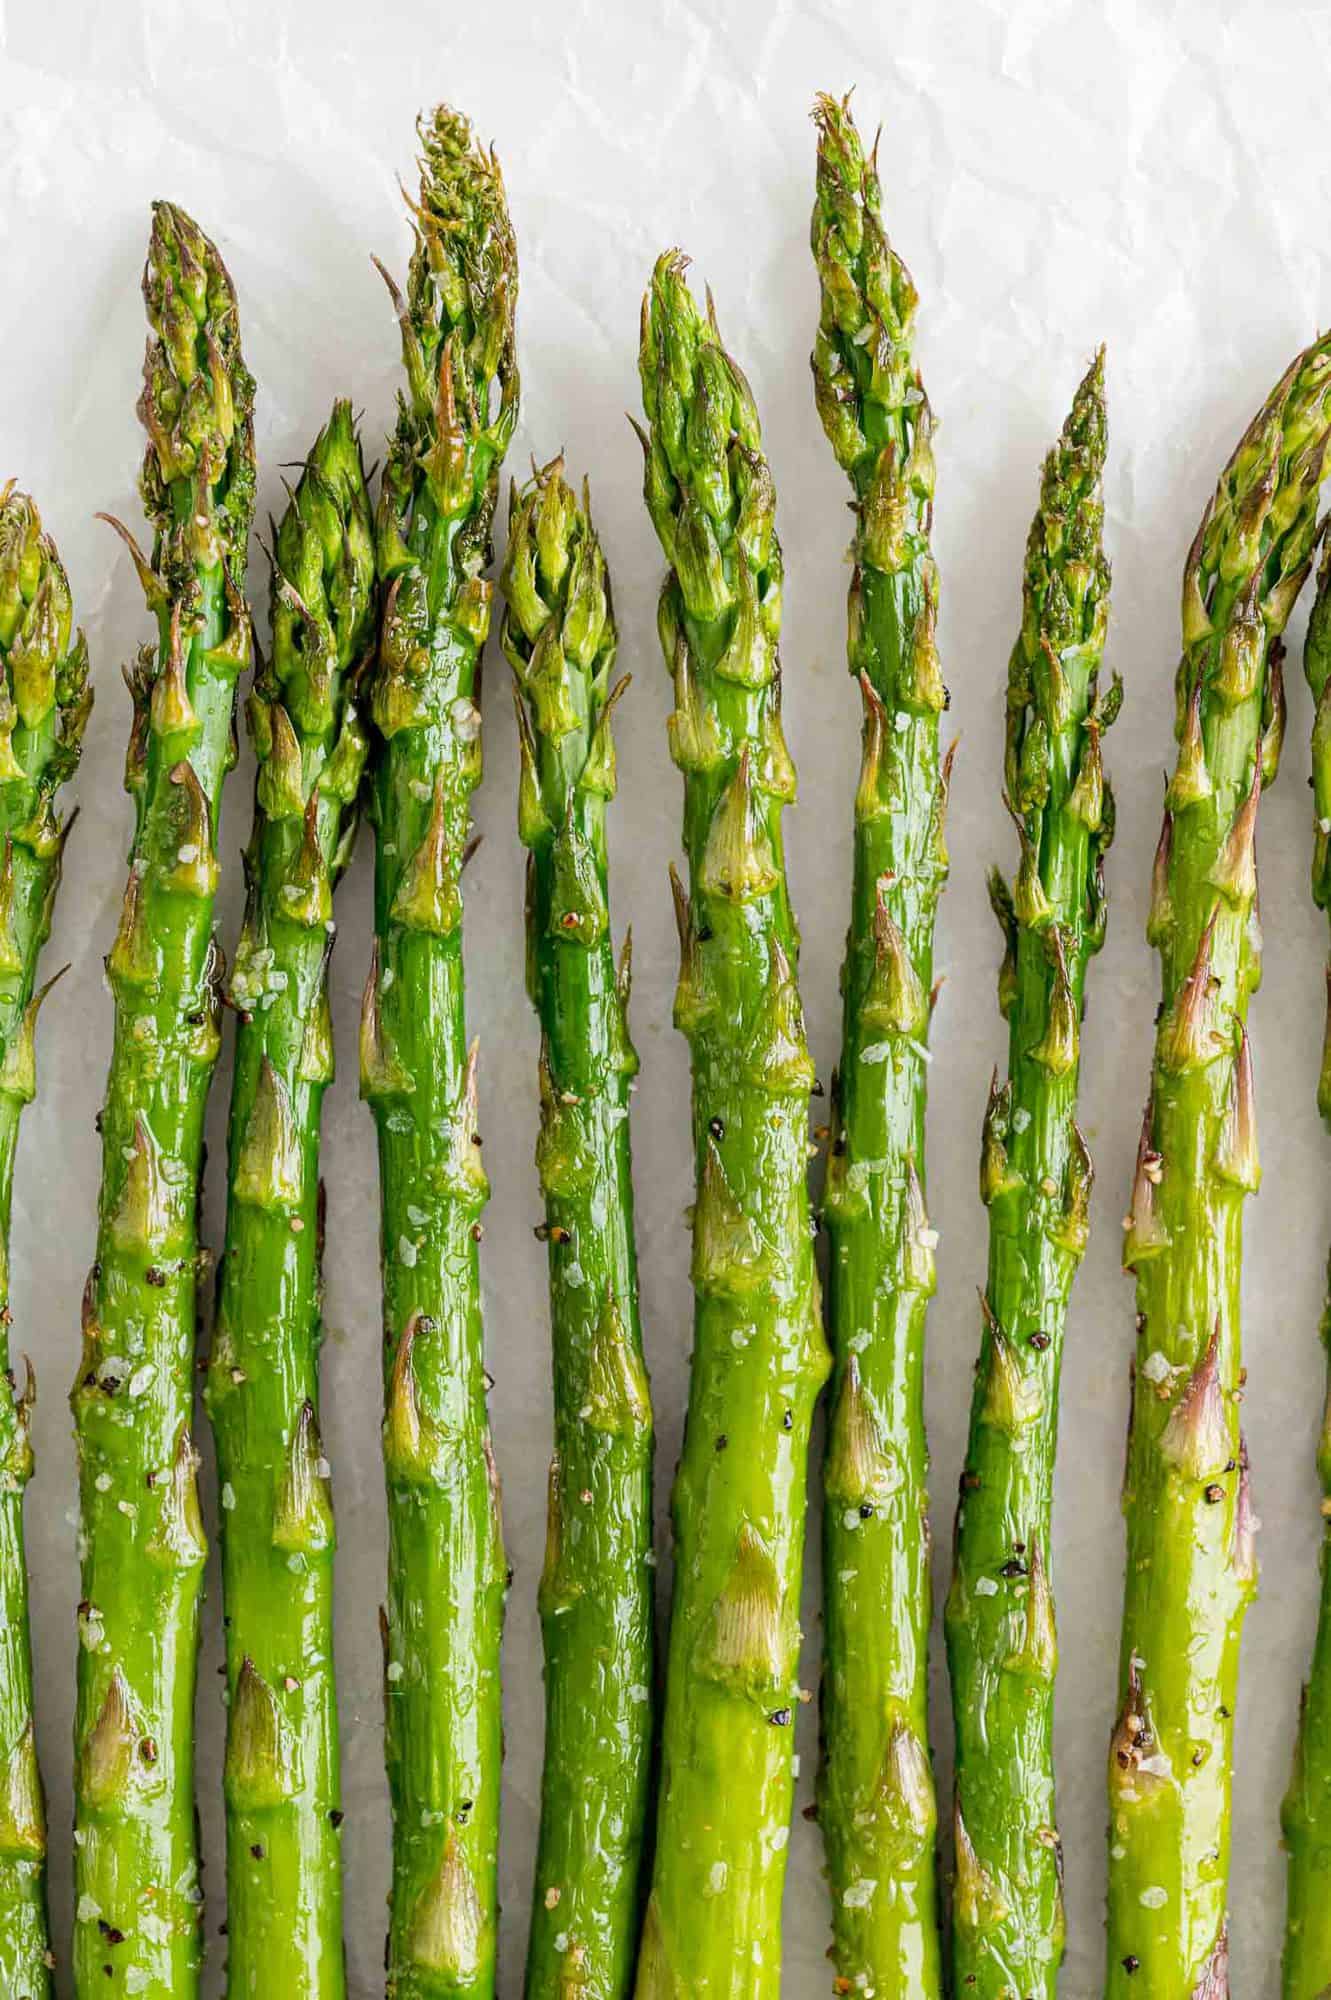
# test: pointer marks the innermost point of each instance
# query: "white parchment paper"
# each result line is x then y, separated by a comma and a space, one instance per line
1153, 175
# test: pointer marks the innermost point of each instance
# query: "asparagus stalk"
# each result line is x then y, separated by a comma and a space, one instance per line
1035, 1176
284, 1894
596, 1591
1307, 1807
137, 1919
44, 707
714, 1917
446, 1573
1191, 1565
876, 1791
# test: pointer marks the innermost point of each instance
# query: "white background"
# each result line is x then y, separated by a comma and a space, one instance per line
1154, 176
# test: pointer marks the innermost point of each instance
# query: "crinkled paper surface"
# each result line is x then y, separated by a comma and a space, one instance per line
1154, 176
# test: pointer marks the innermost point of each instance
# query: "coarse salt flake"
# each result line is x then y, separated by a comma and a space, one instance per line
466, 719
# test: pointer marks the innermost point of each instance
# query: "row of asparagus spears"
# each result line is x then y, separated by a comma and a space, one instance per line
367, 701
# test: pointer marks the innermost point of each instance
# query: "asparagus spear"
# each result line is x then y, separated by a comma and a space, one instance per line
714, 1917
1191, 1567
136, 1862
876, 1790
1035, 1175
44, 707
596, 1592
1307, 1808
446, 1560
284, 1894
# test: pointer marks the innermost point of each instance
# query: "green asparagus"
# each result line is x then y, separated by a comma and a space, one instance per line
446, 1573
284, 1893
596, 1596
1307, 1808
1035, 1176
876, 1799
713, 1921
137, 1918
1191, 1564
43, 709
